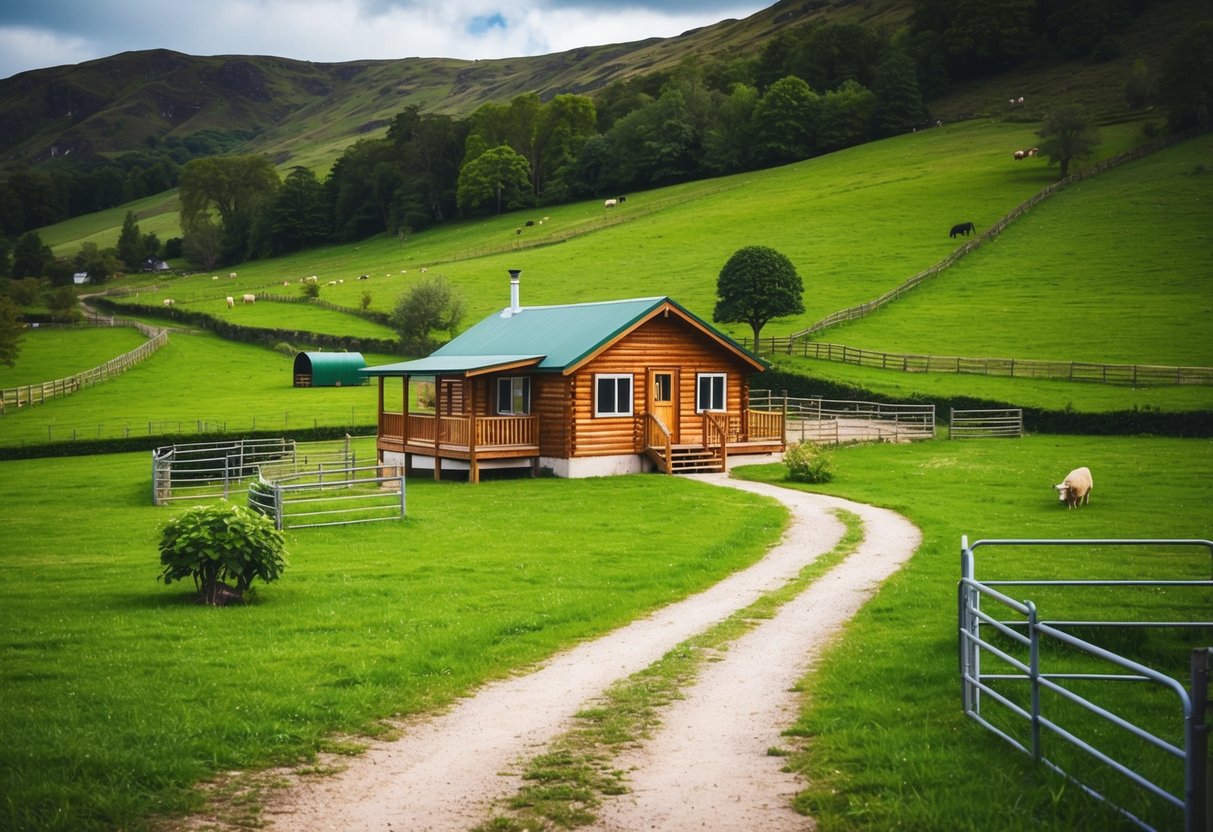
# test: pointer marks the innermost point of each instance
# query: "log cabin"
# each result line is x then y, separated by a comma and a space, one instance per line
587, 389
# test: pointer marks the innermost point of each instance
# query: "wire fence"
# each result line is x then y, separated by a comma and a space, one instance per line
359, 420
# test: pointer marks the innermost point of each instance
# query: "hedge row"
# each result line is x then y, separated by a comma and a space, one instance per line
249, 334
1136, 422
127, 444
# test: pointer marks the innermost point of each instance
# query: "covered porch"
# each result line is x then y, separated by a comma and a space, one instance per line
446, 423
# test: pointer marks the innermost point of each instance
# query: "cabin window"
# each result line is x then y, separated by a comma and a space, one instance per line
709, 391
514, 396
613, 395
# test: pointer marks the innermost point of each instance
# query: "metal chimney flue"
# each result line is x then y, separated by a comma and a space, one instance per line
515, 306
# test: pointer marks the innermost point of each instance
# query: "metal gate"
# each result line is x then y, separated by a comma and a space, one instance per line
204, 470
1033, 682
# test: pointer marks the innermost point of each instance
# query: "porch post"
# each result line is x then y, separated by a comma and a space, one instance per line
473, 465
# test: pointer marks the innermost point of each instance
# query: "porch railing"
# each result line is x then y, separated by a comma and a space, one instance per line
716, 435
657, 439
491, 431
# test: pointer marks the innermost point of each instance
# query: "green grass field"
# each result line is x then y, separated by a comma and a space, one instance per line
118, 696
119, 693
890, 747
49, 353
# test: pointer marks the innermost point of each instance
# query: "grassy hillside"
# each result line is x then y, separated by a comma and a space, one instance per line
855, 223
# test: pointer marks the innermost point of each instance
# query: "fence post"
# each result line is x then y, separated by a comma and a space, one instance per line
278, 506
1034, 676
1198, 776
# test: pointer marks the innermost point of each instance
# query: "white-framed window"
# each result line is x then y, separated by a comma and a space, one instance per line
710, 391
613, 394
514, 396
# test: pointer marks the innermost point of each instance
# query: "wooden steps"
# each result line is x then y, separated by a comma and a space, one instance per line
688, 459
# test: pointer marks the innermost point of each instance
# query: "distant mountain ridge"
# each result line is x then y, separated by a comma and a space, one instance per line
283, 106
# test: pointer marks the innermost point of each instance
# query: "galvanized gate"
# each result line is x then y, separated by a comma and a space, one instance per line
1034, 683
207, 470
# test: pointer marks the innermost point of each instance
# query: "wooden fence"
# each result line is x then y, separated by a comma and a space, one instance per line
985, 424
836, 421
1133, 375
30, 394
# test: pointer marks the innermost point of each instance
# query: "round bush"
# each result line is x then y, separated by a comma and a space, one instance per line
218, 544
807, 462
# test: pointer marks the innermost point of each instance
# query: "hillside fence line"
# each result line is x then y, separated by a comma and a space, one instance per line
31, 394
1198, 375
1135, 375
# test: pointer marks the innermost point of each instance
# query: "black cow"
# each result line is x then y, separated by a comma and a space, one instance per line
965, 228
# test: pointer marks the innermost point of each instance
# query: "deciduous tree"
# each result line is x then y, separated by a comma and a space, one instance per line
431, 306
1067, 135
11, 331
234, 188
755, 285
499, 174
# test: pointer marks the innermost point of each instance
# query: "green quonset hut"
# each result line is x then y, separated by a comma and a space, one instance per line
329, 369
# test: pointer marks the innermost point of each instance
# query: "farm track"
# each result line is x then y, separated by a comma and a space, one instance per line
708, 767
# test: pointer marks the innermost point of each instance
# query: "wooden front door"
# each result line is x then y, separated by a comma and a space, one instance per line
663, 398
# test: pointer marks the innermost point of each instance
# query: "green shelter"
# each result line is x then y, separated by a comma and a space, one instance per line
329, 369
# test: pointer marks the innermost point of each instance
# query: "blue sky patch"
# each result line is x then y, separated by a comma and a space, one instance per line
482, 23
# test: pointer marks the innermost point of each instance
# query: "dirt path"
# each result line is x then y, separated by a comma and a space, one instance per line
707, 769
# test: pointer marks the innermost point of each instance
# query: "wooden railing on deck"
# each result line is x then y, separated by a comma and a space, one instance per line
716, 435
657, 438
507, 430
765, 424
491, 431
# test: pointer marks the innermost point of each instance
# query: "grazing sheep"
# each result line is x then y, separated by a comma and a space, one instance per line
249, 299
216, 277
231, 301
610, 203
1032, 151
1019, 154
232, 275
311, 279
1075, 489
363, 276
168, 301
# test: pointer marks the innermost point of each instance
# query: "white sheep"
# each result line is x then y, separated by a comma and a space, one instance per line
1075, 489
168, 301
231, 301
232, 275
249, 299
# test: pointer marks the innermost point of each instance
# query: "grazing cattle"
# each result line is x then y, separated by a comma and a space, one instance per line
363, 276
1032, 151
622, 199
1019, 154
517, 230
610, 203
231, 301
965, 228
1075, 489
249, 299
530, 223
168, 301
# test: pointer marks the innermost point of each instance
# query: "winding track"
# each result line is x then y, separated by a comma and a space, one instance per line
707, 768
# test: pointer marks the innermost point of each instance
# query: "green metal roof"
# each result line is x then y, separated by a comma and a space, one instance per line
561, 337
331, 369
444, 364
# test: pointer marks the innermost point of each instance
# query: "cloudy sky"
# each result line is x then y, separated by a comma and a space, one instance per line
42, 33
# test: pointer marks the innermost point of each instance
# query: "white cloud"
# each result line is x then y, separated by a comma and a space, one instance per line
343, 30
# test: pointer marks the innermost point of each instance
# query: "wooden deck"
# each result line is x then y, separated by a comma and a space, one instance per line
476, 440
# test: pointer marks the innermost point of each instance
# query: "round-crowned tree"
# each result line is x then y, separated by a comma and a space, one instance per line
755, 285
224, 548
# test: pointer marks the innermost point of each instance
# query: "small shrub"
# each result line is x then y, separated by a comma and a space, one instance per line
219, 543
311, 290
365, 302
808, 462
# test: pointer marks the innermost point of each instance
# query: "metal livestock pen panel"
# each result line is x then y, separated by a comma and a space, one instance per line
1043, 675
330, 496
985, 424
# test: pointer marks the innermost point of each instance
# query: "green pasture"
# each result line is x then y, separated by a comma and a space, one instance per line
888, 745
196, 378
1112, 269
49, 353
155, 214
855, 223
119, 693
